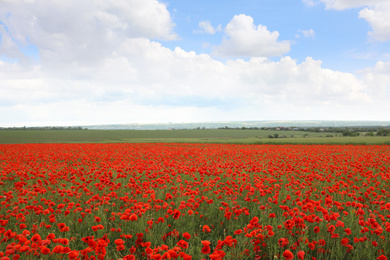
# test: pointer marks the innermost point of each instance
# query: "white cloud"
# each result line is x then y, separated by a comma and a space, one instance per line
244, 39
8, 47
116, 75
86, 32
375, 12
140, 81
378, 17
347, 4
306, 82
305, 33
206, 27
378, 80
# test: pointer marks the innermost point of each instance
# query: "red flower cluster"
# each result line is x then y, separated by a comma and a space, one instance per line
194, 201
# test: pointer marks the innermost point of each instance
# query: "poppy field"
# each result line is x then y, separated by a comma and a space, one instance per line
194, 201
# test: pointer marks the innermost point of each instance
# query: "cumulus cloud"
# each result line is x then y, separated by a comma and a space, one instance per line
123, 75
378, 17
139, 84
69, 32
244, 39
206, 27
375, 12
378, 80
306, 82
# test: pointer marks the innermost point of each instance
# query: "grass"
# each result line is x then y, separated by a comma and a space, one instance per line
182, 136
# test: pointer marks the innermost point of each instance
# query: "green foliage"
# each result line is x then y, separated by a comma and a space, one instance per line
248, 136
349, 133
383, 132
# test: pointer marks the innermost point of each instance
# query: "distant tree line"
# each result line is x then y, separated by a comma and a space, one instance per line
240, 128
379, 130
344, 131
347, 129
383, 132
44, 128
349, 133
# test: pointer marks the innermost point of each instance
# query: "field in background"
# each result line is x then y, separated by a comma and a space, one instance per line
183, 136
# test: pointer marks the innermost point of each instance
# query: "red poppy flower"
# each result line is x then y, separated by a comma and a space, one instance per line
45, 251
61, 225
215, 256
146, 244
176, 214
95, 228
120, 248
119, 242
344, 241
183, 244
287, 254
51, 236
283, 242
206, 250
102, 243
331, 229
301, 255
73, 254
206, 229
22, 226
186, 235
100, 226
36, 238
133, 217
206, 243
186, 257
289, 224
57, 249
66, 250
237, 232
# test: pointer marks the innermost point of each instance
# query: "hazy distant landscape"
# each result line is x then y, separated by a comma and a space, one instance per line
251, 132
230, 124
234, 124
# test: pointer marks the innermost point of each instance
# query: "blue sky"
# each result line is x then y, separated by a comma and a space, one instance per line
133, 61
339, 36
